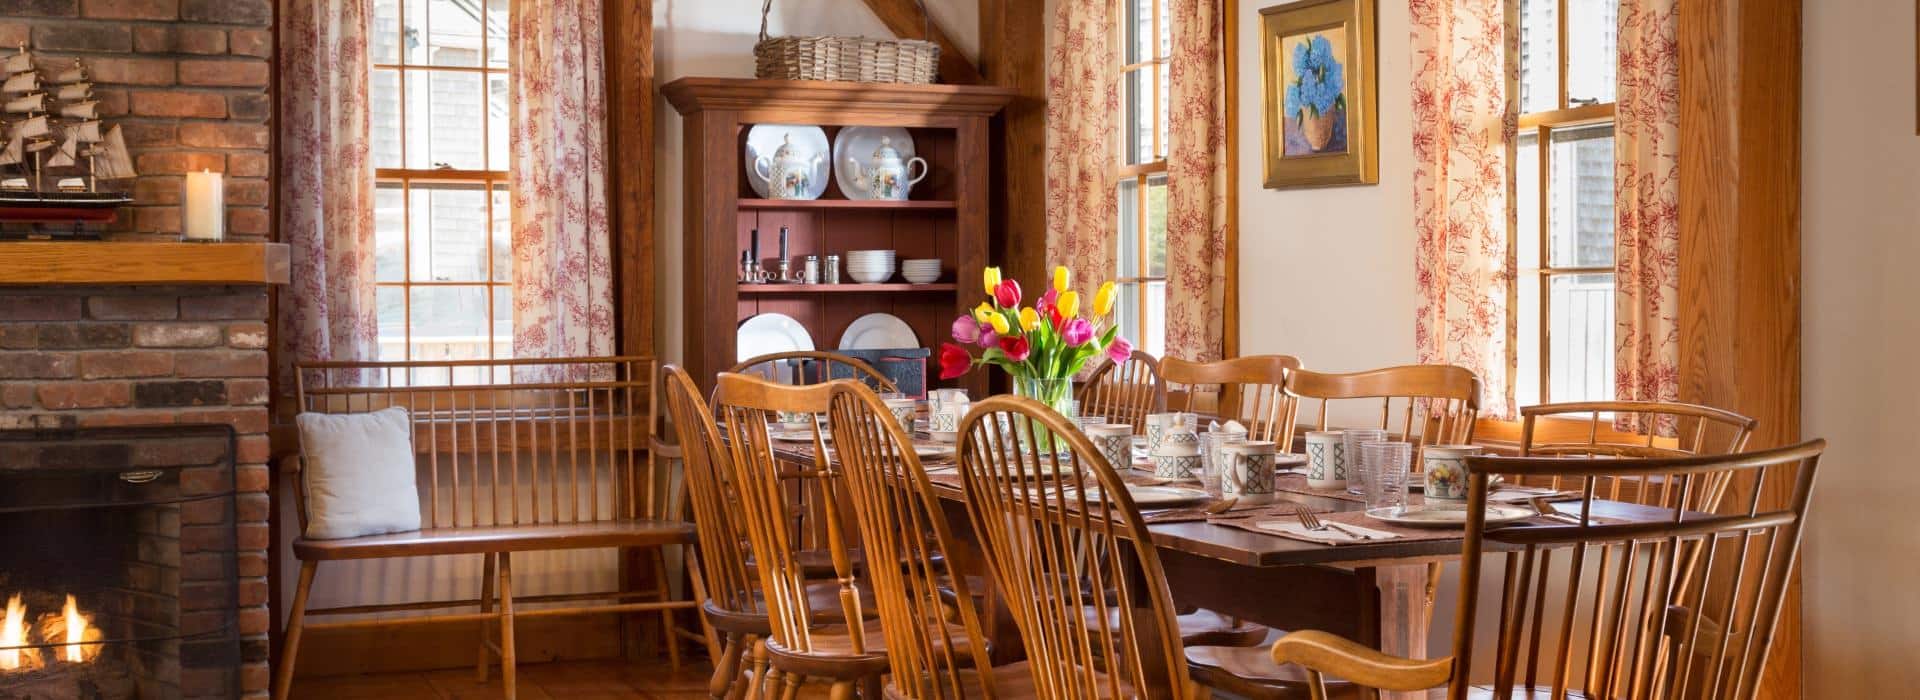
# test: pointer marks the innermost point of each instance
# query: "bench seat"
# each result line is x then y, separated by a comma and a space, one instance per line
499, 538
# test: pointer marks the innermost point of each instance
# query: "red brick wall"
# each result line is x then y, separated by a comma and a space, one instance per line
88, 356
187, 80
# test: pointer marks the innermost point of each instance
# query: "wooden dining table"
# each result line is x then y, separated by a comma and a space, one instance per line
1376, 593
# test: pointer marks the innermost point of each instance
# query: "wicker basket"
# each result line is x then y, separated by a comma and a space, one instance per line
856, 59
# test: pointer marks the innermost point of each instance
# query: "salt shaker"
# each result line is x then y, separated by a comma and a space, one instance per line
811, 269
831, 275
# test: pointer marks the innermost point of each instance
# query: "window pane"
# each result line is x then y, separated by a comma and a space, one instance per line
454, 132
1129, 229
1580, 333
502, 322
449, 323
453, 37
1592, 26
497, 121
384, 96
389, 233
1157, 226
1539, 55
1160, 120
1126, 311
497, 54
1136, 107
383, 41
449, 233
413, 45
390, 304
502, 234
1526, 240
1581, 197
1153, 338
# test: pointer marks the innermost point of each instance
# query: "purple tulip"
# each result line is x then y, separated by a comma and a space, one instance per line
1077, 332
1120, 350
987, 337
965, 329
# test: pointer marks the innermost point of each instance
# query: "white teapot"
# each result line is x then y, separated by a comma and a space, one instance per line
788, 174
887, 177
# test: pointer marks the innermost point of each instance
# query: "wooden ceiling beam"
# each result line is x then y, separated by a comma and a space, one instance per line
908, 20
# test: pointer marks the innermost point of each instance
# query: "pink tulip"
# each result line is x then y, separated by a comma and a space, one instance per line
965, 329
988, 338
1047, 302
1120, 350
1007, 294
1077, 332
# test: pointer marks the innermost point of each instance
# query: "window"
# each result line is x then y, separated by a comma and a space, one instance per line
1563, 176
441, 217
1142, 174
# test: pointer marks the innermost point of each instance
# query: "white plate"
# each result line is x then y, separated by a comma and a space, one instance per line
1155, 495
770, 333
1448, 517
859, 143
801, 435
878, 332
925, 451
764, 139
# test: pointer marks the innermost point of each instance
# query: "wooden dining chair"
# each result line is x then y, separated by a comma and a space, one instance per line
1587, 429
1429, 404
813, 367
1248, 389
1125, 392
1070, 555
1656, 639
846, 649
934, 634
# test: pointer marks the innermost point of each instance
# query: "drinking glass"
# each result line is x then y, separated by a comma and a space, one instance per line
1211, 443
1387, 466
1356, 461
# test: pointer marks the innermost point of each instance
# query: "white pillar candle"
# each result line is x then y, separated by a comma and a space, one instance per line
203, 207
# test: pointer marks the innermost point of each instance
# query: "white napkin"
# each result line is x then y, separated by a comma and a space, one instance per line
1293, 529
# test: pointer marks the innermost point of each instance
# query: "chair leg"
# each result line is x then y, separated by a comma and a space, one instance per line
290, 652
726, 669
486, 606
873, 687
667, 625
841, 690
507, 676
757, 685
692, 562
792, 690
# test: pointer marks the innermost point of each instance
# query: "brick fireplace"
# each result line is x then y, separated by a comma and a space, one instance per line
88, 357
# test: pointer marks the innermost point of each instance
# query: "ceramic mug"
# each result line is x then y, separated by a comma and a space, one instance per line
1326, 459
1247, 471
1446, 468
949, 406
1115, 442
1159, 424
903, 411
1179, 467
795, 420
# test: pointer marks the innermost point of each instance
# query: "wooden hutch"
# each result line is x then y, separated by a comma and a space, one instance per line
945, 218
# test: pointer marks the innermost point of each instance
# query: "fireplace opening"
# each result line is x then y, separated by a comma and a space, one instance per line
118, 571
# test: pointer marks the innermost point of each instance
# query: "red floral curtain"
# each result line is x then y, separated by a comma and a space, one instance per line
1646, 204
327, 310
1196, 181
1083, 107
562, 256
1465, 112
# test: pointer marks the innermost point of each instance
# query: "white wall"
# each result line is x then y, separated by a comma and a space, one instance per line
715, 38
1326, 274
1860, 235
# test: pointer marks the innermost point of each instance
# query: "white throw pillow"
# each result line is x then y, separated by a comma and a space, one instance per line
359, 473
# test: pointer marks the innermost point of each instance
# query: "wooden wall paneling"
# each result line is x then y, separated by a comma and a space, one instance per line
1740, 239
908, 20
1230, 55
1013, 45
630, 123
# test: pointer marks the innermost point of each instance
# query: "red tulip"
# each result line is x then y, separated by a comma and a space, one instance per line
1047, 301
1007, 294
1015, 347
954, 361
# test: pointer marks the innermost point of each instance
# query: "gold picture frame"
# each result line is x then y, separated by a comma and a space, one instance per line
1320, 94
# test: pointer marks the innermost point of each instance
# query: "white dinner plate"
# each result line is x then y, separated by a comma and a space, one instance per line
1447, 517
770, 333
801, 435
1155, 495
926, 451
879, 332
859, 143
764, 139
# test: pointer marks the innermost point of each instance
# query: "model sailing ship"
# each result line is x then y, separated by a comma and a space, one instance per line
56, 152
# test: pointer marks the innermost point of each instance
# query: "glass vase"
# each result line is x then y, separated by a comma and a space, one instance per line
1057, 394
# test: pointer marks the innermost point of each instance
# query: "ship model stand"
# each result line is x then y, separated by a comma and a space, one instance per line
57, 154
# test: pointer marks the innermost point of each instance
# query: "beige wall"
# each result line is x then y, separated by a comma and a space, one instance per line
715, 38
1861, 235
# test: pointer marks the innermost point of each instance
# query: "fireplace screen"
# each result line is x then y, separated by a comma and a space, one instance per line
117, 564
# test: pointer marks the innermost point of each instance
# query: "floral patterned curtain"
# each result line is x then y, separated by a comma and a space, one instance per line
1465, 113
1196, 181
327, 311
1646, 204
562, 256
1083, 107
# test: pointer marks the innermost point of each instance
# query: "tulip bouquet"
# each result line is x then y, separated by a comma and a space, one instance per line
1041, 346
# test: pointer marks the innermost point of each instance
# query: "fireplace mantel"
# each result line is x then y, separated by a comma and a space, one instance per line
45, 263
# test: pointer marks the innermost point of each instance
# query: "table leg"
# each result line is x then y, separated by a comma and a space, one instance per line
1403, 615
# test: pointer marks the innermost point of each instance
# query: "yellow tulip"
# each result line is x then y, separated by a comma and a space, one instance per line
999, 323
981, 312
1069, 304
1103, 300
1060, 278
991, 279
1029, 318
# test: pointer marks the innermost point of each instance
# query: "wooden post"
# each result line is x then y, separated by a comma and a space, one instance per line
1013, 40
630, 122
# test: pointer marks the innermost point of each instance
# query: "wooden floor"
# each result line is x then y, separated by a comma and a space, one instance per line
575, 680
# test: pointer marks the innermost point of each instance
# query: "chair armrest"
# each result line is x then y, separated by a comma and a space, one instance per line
1333, 655
662, 448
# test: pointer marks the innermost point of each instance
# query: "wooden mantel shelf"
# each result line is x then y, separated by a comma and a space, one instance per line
45, 263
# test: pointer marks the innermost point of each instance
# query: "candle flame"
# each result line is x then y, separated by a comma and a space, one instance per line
76, 631
13, 633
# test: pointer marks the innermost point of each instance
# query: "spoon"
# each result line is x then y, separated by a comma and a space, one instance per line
1222, 507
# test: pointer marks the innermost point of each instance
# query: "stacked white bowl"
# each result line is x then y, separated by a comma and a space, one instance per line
870, 266
923, 271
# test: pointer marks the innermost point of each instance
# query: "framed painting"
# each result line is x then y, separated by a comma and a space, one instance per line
1319, 92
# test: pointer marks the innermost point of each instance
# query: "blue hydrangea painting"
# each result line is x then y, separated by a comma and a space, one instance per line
1315, 105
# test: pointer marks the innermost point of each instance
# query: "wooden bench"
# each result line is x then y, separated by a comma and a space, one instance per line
565, 440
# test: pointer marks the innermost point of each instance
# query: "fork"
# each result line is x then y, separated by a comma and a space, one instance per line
1312, 522
1545, 508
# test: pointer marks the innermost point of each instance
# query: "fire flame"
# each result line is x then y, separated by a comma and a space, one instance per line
78, 640
13, 633
76, 631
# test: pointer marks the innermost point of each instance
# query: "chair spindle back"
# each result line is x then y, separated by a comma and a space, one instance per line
716, 513
812, 367
1586, 429
1251, 390
1437, 403
1125, 392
